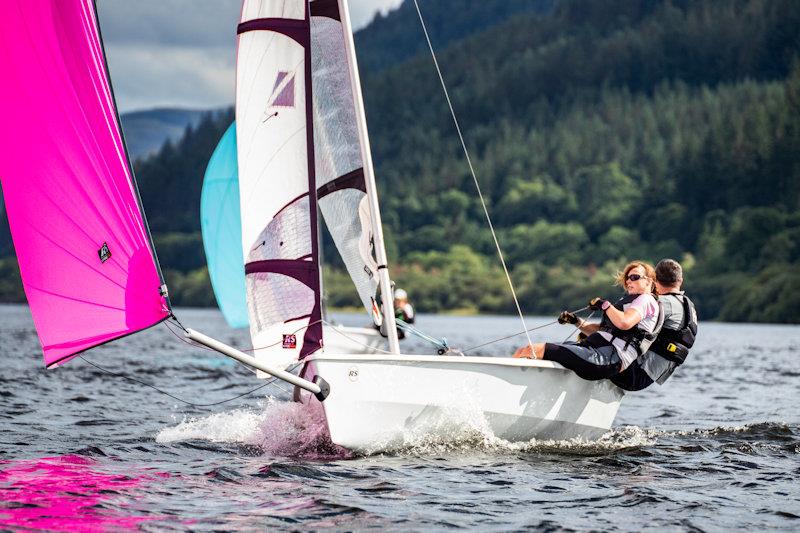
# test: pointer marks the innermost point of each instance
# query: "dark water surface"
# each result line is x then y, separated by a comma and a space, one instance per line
718, 447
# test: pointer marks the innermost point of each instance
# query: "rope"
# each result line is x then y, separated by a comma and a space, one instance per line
472, 171
577, 328
117, 374
441, 344
526, 331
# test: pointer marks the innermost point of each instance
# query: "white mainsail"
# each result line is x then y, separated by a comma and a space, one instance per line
276, 180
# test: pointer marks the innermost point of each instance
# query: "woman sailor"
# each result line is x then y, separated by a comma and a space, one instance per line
627, 329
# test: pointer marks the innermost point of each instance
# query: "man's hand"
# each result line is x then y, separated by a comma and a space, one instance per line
567, 318
598, 304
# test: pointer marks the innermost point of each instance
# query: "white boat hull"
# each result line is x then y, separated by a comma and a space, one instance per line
378, 403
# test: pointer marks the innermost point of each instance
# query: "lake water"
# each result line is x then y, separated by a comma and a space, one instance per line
717, 447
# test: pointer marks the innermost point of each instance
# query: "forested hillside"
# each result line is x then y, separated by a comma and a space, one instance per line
600, 131
392, 38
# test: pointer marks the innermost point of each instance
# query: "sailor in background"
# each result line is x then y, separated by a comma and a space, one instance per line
675, 339
402, 310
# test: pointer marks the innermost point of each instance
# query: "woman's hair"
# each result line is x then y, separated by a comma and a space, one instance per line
648, 270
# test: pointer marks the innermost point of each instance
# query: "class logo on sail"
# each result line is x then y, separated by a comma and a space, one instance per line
289, 341
283, 90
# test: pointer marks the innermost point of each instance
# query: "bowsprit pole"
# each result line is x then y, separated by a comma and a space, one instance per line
319, 387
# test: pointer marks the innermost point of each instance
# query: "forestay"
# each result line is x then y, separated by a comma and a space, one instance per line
276, 180
86, 258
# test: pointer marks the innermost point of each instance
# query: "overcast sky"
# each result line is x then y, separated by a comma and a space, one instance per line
181, 53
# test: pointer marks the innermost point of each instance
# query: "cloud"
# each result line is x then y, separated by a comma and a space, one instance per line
182, 53
363, 11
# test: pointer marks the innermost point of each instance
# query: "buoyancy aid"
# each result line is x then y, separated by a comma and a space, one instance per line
637, 336
674, 344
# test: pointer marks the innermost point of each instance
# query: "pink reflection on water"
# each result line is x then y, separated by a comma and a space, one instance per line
64, 494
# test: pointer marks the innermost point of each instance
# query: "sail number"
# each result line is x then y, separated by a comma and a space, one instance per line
352, 374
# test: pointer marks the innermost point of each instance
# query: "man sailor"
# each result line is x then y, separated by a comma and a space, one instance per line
675, 339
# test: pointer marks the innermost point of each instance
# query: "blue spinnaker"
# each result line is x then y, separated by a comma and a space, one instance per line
222, 233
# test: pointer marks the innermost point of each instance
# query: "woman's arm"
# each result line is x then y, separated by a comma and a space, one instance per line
588, 328
624, 320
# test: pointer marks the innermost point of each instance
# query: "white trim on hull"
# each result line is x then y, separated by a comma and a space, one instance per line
378, 403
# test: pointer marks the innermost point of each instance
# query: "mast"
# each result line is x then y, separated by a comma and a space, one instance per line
369, 178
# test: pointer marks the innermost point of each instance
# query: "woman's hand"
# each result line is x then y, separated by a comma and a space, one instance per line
567, 318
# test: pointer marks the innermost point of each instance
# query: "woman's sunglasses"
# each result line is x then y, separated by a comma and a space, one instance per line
634, 277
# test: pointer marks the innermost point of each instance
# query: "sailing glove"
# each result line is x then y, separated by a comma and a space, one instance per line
567, 318
598, 304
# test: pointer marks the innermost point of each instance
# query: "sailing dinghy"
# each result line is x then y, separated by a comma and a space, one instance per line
90, 270
302, 143
220, 221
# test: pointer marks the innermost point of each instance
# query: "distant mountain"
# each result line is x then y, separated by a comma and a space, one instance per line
146, 131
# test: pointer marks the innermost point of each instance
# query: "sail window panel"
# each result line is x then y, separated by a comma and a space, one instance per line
287, 235
284, 9
353, 238
337, 152
271, 136
336, 146
275, 299
280, 309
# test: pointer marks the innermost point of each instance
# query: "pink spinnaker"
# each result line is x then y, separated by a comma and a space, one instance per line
84, 249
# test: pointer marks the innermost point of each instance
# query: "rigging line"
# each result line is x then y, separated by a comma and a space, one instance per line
577, 328
408, 328
175, 318
183, 339
474, 178
531, 329
510, 336
116, 374
197, 345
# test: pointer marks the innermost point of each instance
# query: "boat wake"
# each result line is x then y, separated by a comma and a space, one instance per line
469, 440
289, 429
277, 428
